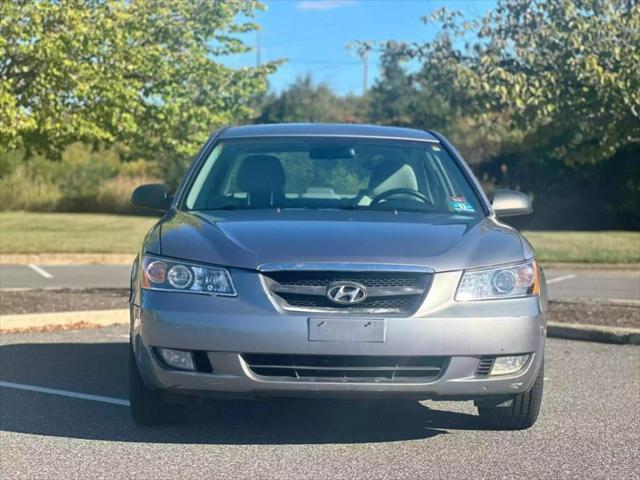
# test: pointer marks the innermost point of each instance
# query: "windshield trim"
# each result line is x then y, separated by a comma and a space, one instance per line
466, 172
331, 135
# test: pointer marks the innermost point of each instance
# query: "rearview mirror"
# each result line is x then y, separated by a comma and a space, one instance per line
508, 203
332, 152
154, 195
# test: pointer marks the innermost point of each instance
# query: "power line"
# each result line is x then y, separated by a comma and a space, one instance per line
322, 62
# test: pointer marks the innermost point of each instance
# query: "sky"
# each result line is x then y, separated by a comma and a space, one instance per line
313, 34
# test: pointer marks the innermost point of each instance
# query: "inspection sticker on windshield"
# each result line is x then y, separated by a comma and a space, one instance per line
460, 204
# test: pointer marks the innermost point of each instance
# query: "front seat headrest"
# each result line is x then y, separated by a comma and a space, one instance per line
392, 174
261, 173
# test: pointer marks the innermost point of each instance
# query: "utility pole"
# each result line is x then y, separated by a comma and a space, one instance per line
362, 49
258, 49
365, 60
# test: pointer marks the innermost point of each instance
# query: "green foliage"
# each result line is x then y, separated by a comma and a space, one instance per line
26, 188
538, 96
410, 99
393, 99
143, 73
9, 161
85, 173
305, 101
83, 180
566, 73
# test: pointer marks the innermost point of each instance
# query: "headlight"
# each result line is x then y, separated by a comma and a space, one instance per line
178, 276
503, 282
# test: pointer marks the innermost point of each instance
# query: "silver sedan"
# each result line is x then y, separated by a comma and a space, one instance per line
335, 260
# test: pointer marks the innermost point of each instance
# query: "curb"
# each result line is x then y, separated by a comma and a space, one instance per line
594, 333
33, 322
620, 302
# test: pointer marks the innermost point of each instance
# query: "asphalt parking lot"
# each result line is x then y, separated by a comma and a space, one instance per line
64, 276
563, 283
589, 426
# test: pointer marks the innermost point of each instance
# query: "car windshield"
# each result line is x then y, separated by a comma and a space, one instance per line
332, 173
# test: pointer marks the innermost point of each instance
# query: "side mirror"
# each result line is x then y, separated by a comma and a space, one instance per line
154, 195
508, 203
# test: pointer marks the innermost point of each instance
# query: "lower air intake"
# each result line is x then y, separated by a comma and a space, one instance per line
345, 368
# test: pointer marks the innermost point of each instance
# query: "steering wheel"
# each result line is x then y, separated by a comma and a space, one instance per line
399, 191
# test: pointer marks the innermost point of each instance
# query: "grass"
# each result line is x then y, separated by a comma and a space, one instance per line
26, 232
588, 247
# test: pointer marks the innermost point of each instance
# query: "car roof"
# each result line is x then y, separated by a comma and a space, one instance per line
327, 130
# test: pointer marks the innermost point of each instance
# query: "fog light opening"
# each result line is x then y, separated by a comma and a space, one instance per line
180, 359
510, 364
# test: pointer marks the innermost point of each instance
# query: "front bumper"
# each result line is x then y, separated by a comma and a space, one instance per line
225, 328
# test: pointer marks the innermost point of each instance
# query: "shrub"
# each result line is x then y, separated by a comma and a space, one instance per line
21, 190
83, 173
9, 161
84, 180
115, 194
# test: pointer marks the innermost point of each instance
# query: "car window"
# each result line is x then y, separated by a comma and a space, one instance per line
332, 174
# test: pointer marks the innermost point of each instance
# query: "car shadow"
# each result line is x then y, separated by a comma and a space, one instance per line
101, 369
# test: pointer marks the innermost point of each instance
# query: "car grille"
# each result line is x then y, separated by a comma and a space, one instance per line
387, 292
345, 368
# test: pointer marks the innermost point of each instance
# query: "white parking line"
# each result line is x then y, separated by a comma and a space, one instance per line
40, 271
561, 279
65, 393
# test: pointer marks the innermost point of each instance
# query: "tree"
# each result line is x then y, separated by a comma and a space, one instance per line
567, 73
144, 73
392, 99
413, 100
305, 101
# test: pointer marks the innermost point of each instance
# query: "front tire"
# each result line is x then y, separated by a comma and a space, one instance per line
522, 413
147, 405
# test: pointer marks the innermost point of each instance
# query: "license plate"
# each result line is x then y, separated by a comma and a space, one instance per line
347, 330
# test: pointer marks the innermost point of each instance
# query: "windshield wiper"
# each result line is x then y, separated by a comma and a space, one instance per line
383, 209
314, 207
226, 207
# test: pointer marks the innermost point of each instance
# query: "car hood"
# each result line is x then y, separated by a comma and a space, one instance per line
249, 239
